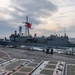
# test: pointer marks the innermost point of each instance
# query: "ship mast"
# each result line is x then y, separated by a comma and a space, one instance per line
27, 33
26, 25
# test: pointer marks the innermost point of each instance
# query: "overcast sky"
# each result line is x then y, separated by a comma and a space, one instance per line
46, 16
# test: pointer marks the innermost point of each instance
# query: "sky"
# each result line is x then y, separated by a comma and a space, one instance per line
46, 16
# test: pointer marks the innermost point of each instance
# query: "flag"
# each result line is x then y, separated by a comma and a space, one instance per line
29, 25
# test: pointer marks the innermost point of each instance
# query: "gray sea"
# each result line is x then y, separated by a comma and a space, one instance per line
58, 50
72, 40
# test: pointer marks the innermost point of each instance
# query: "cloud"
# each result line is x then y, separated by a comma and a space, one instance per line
18, 10
45, 15
34, 9
71, 29
13, 12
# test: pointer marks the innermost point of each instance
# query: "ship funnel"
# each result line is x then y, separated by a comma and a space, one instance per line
20, 30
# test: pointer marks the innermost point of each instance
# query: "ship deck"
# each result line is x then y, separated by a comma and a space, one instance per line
25, 62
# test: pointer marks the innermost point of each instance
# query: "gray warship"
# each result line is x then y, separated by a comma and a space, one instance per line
26, 38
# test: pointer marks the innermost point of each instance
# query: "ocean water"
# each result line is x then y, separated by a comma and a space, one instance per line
72, 40
60, 50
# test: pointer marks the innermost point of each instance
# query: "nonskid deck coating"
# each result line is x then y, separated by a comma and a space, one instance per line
50, 66
15, 64
71, 69
19, 74
47, 70
29, 67
41, 56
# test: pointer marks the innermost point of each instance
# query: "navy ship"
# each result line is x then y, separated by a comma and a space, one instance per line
27, 39
52, 40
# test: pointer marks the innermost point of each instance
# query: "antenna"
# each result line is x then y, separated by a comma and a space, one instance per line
65, 31
20, 30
